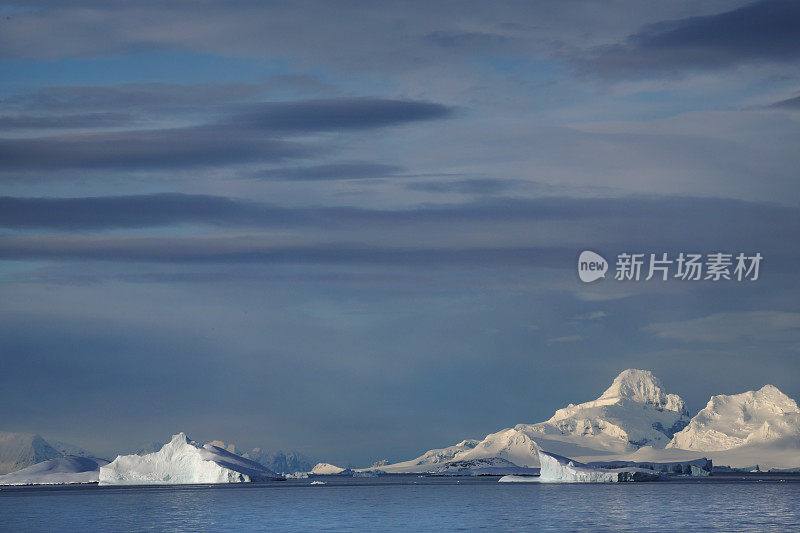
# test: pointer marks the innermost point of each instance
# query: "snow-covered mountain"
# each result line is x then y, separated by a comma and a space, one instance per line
762, 417
431, 458
58, 471
20, 450
327, 469
634, 411
184, 461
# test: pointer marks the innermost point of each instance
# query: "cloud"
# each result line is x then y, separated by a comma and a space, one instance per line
164, 148
264, 249
330, 171
764, 31
478, 186
595, 315
568, 338
337, 114
128, 96
732, 327
789, 103
663, 221
248, 134
501, 227
74, 121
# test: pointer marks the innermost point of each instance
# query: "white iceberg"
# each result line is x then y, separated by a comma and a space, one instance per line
58, 471
184, 461
556, 468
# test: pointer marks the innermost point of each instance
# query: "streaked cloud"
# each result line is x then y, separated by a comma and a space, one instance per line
767, 326
763, 31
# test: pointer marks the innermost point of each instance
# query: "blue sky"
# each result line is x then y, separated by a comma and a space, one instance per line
351, 229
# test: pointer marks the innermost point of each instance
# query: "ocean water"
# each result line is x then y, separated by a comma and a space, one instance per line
732, 502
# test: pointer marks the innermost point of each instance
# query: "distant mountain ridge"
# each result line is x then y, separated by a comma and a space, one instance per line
635, 416
20, 450
280, 461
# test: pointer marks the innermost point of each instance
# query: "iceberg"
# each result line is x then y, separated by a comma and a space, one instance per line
184, 461
556, 468
57, 471
695, 467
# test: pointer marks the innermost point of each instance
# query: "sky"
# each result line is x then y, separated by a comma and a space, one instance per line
351, 229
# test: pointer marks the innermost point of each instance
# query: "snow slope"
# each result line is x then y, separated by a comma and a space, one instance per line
732, 421
327, 469
184, 461
57, 471
429, 459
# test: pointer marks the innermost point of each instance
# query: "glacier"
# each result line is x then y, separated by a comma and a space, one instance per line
181, 461
57, 471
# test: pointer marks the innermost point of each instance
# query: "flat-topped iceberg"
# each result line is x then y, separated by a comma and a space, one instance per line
183, 461
693, 467
556, 468
58, 471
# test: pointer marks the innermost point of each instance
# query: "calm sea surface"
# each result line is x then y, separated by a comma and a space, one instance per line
729, 502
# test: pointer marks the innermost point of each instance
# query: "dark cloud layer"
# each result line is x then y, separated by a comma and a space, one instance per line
337, 115
247, 135
466, 234
764, 31
789, 103
161, 96
165, 148
141, 211
249, 250
476, 186
73, 121
331, 171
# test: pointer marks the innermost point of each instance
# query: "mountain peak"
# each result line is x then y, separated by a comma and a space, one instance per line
643, 387
732, 420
